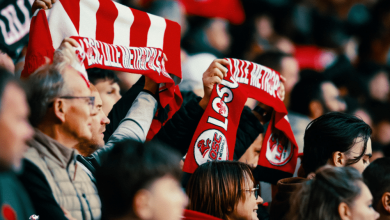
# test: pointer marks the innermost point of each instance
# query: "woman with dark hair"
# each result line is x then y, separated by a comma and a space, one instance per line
224, 189
335, 193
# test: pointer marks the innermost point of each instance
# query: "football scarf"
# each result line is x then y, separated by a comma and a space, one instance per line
111, 36
215, 136
14, 26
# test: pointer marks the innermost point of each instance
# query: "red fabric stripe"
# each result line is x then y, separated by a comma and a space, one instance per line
38, 47
139, 29
105, 18
171, 48
72, 8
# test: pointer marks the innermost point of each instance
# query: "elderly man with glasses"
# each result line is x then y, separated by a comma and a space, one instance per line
61, 107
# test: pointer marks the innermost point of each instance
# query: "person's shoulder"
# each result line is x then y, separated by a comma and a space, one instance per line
194, 215
7, 177
13, 197
32, 155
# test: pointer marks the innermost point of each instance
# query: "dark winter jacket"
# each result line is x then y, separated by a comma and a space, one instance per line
281, 202
14, 200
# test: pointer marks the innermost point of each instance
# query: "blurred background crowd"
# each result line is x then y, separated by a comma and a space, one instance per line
333, 53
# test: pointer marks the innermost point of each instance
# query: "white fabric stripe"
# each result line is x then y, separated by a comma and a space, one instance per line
122, 25
59, 32
156, 31
88, 9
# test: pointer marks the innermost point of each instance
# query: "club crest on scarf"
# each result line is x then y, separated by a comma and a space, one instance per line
211, 145
221, 118
278, 154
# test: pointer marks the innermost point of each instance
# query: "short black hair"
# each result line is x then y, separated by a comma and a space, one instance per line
306, 90
377, 178
329, 133
272, 59
129, 167
95, 75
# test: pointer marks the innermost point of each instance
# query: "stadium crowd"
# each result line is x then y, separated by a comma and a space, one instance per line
84, 145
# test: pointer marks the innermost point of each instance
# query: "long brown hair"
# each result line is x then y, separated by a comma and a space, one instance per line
320, 197
215, 188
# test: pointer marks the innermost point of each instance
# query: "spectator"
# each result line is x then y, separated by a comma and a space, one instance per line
377, 81
106, 82
335, 139
311, 97
141, 181
15, 132
285, 64
314, 96
61, 107
227, 190
335, 193
377, 178
207, 36
133, 126
98, 125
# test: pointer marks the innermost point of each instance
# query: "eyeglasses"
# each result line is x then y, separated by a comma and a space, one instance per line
90, 100
254, 190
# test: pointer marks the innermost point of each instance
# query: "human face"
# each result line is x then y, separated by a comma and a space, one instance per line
246, 209
99, 121
14, 127
382, 132
379, 87
77, 113
109, 93
362, 206
251, 155
356, 150
218, 35
290, 70
168, 199
331, 98
98, 126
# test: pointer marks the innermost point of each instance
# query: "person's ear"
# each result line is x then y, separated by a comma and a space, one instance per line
315, 109
386, 201
339, 159
142, 204
59, 109
344, 211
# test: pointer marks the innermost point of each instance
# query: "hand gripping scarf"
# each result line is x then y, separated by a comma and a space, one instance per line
111, 36
215, 136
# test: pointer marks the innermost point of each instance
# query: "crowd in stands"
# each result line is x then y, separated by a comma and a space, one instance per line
80, 145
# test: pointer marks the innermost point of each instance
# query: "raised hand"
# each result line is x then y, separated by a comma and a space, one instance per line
213, 75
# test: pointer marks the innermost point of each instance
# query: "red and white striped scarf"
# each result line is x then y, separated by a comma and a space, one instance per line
114, 29
215, 136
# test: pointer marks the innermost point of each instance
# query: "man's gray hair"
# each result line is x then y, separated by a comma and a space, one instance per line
46, 84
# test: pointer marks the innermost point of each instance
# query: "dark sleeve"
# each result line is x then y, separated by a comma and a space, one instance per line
40, 193
248, 130
121, 108
178, 131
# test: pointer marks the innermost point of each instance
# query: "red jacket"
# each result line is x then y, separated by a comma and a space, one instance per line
193, 215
